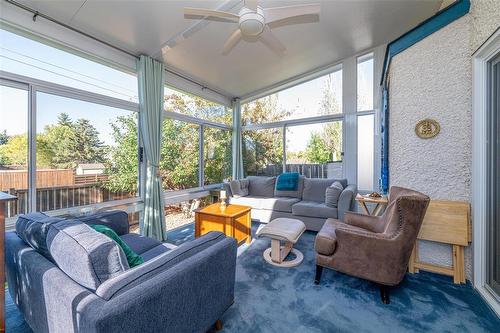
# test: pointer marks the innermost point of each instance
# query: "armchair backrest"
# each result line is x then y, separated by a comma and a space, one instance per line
404, 214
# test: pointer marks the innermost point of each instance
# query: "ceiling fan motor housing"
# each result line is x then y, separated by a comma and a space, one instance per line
251, 23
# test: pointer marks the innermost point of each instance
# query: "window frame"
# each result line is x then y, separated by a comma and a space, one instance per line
35, 86
202, 189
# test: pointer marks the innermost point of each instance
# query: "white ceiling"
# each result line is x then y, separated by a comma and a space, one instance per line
344, 28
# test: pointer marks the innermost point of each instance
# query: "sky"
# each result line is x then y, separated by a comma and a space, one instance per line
23, 56
26, 57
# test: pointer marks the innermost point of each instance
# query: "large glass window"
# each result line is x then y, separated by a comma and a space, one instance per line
14, 147
318, 97
27, 57
217, 155
263, 152
180, 155
365, 83
197, 107
315, 150
366, 128
86, 153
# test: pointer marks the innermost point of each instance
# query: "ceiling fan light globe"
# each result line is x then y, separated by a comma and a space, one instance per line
251, 27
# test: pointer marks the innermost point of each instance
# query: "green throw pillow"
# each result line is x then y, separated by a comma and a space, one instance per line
133, 258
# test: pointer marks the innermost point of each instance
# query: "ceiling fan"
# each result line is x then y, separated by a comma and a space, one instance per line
253, 22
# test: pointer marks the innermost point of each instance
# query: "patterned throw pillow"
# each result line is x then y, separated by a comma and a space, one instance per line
332, 194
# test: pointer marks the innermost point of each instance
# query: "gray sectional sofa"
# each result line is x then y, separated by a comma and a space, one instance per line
66, 277
307, 203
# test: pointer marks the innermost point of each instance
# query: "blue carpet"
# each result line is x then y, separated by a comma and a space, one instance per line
271, 299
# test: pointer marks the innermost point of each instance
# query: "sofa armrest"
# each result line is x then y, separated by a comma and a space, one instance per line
188, 297
114, 219
346, 200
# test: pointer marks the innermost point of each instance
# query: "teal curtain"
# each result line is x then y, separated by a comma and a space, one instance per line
151, 78
237, 138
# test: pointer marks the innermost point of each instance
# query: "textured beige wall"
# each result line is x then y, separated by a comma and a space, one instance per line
433, 79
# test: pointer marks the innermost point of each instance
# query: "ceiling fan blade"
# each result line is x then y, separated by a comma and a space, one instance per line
282, 13
210, 12
269, 39
232, 41
251, 4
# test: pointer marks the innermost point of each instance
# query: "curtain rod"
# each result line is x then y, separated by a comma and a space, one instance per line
38, 14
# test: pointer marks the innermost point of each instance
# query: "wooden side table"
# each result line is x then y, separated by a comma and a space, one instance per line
234, 221
380, 203
4, 197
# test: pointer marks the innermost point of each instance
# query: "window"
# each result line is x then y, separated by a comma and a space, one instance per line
86, 153
180, 155
315, 150
191, 124
318, 97
27, 57
14, 147
366, 133
365, 83
263, 152
217, 155
197, 107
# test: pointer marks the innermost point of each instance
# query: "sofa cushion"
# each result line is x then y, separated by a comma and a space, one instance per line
314, 188
33, 228
280, 204
156, 251
294, 194
140, 244
261, 186
157, 265
114, 219
249, 200
314, 209
332, 194
86, 256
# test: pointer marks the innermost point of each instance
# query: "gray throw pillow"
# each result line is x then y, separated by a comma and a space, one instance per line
235, 187
332, 194
244, 183
239, 188
85, 255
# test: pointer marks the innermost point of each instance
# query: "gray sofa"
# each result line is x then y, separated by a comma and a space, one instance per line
66, 277
307, 203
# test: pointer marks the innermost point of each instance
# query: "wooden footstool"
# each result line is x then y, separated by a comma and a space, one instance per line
287, 230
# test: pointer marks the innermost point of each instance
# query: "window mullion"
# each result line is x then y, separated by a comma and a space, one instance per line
201, 157
32, 197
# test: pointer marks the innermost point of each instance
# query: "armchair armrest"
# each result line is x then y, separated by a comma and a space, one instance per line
377, 257
346, 200
114, 219
368, 222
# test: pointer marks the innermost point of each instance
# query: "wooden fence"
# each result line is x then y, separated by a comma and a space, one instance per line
308, 170
44, 178
61, 197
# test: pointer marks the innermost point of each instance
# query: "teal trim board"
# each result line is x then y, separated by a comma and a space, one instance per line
426, 28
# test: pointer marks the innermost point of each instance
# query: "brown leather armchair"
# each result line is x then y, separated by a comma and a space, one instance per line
370, 247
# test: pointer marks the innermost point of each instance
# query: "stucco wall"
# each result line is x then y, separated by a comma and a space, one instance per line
433, 79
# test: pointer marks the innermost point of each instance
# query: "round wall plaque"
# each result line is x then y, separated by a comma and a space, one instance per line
427, 128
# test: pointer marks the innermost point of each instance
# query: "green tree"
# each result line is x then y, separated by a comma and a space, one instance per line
122, 165
3, 137
72, 143
316, 150
263, 148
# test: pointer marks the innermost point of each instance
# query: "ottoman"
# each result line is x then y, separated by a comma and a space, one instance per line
286, 230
